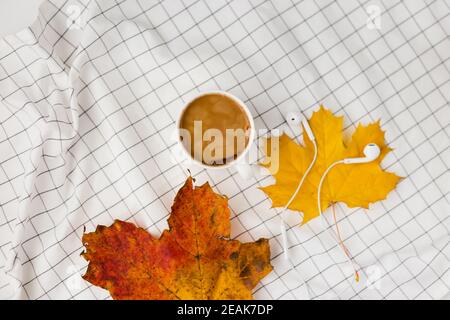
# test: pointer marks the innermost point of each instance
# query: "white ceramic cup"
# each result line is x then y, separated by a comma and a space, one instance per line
240, 162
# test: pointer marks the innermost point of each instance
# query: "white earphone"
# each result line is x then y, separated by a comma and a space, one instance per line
371, 153
295, 118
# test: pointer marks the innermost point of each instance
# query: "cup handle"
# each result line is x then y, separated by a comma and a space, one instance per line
247, 171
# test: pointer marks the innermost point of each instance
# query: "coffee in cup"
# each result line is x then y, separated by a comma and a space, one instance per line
215, 128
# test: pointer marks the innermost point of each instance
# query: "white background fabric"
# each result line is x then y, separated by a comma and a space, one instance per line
16, 15
89, 98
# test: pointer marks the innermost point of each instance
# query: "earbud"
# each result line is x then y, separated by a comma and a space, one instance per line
295, 118
371, 152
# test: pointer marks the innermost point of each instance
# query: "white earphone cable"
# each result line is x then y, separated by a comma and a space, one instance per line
283, 223
370, 153
324, 221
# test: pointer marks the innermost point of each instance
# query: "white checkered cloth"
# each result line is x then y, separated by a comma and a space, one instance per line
89, 98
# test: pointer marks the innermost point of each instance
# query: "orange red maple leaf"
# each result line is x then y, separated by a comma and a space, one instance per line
193, 259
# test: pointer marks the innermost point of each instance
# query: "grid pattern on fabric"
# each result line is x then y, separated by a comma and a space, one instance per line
89, 98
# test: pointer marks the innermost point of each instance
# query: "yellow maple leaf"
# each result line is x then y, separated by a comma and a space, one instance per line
357, 185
